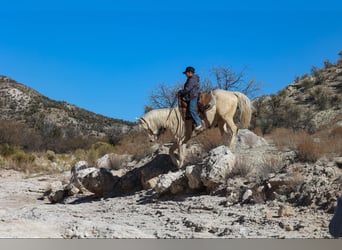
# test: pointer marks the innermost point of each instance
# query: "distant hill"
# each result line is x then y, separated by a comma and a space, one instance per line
312, 102
50, 119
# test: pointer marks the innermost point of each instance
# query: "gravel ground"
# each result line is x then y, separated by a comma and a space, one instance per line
25, 214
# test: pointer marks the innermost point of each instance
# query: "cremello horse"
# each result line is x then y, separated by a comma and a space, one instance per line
221, 114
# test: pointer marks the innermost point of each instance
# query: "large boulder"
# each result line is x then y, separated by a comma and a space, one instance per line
173, 182
218, 165
247, 139
101, 182
113, 161
78, 172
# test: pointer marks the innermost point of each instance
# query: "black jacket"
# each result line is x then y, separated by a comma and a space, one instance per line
191, 88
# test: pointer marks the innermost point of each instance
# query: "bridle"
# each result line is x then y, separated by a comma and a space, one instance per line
160, 130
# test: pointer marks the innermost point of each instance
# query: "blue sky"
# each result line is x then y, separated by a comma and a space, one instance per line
108, 56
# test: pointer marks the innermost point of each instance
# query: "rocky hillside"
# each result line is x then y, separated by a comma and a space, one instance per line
313, 101
255, 191
50, 118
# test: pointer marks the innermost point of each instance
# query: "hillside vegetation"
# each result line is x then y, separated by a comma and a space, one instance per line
35, 122
38, 134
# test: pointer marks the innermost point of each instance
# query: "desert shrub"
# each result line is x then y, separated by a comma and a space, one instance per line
271, 164
211, 138
50, 155
242, 168
102, 148
308, 83
308, 150
328, 64
258, 131
136, 144
8, 150
19, 134
336, 132
321, 97
285, 138
116, 161
20, 157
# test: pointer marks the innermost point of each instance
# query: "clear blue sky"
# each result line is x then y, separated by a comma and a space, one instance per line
108, 56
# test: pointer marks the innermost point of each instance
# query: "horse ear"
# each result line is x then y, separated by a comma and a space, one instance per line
139, 120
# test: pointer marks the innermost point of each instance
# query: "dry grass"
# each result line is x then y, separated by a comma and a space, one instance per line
271, 164
242, 168
211, 138
136, 144
309, 147
309, 151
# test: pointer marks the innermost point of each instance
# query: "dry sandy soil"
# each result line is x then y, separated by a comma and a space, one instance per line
25, 214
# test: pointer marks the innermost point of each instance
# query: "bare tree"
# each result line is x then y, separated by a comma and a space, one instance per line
164, 96
227, 79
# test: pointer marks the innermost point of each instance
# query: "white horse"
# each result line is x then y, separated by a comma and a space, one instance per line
221, 114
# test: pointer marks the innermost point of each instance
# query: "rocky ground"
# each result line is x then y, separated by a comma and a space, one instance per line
303, 211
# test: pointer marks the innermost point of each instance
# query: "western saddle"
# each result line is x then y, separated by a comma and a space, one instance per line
204, 103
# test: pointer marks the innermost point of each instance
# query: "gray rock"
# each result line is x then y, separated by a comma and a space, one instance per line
247, 139
247, 195
338, 161
166, 181
57, 192
78, 172
193, 173
113, 161
100, 182
219, 164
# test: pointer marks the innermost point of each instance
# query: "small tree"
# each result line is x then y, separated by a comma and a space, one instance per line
164, 96
227, 79
340, 59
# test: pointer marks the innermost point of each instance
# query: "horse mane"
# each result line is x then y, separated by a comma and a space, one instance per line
169, 118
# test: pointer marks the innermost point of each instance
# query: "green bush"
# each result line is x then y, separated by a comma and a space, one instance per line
7, 150
21, 157
50, 155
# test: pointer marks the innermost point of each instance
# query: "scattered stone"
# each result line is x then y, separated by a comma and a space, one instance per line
338, 161
289, 228
247, 195
193, 173
57, 192
285, 211
151, 183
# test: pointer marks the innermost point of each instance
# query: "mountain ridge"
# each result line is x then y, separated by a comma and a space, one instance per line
48, 117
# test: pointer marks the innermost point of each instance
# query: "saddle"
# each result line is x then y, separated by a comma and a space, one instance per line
204, 103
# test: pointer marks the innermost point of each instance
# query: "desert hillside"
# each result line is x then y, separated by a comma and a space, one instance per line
47, 123
281, 180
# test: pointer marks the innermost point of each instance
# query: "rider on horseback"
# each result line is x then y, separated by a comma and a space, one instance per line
190, 93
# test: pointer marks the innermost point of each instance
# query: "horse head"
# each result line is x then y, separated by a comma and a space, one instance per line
153, 133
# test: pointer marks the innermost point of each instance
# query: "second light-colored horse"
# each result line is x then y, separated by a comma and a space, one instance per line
221, 114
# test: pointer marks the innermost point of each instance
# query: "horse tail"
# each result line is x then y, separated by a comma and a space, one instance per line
245, 107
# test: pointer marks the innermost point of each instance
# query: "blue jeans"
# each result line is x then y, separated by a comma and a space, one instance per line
335, 225
192, 109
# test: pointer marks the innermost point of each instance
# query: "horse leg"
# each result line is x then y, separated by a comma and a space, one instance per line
233, 128
172, 155
181, 154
